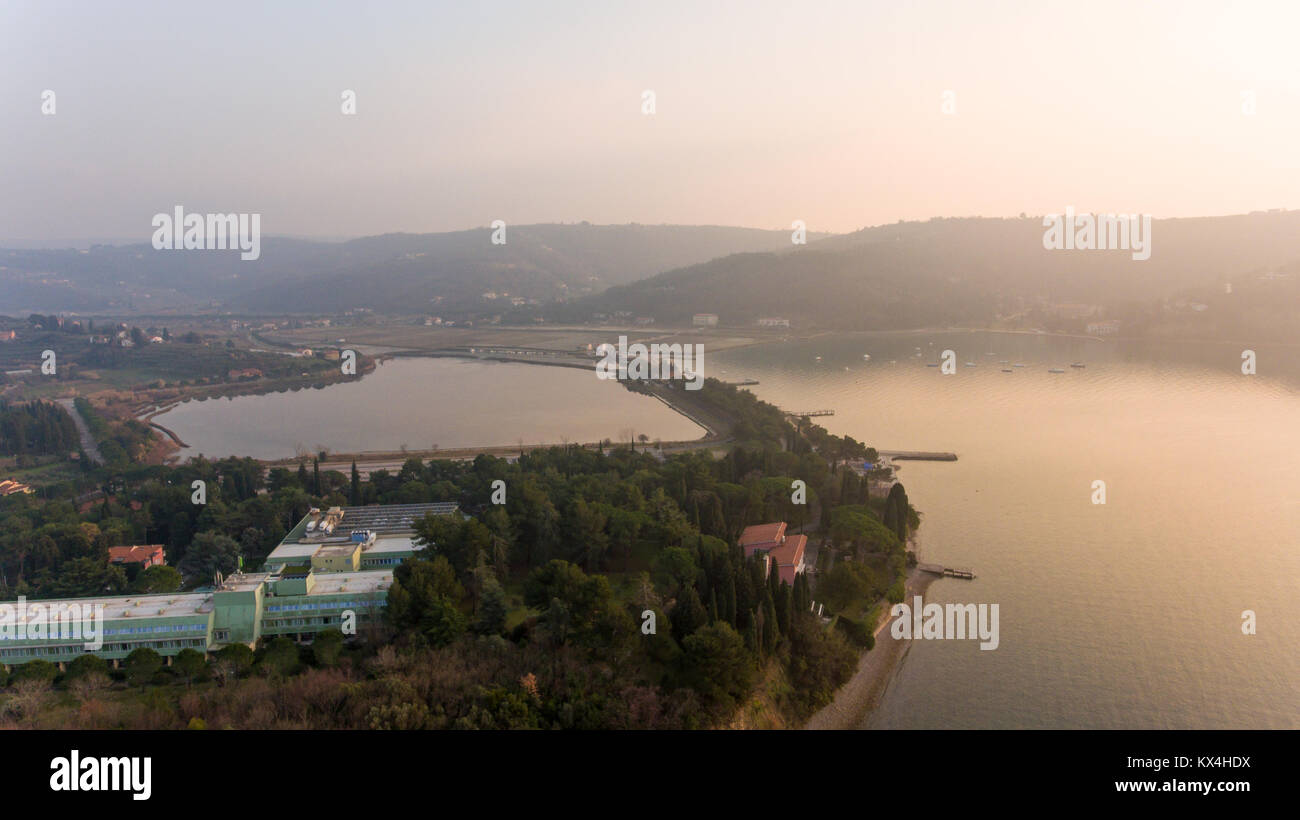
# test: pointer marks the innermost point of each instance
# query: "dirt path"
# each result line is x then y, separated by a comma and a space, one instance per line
87, 440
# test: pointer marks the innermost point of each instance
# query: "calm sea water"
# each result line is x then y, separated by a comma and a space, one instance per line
423, 403
1123, 615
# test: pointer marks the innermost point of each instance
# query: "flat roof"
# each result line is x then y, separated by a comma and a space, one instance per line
338, 548
288, 553
381, 518
196, 604
336, 583
243, 582
125, 607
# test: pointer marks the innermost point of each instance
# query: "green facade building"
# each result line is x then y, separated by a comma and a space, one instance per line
333, 570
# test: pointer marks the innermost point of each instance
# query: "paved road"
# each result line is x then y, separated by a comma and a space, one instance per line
87, 440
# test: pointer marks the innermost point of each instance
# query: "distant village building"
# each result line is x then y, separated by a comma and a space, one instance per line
151, 555
705, 320
1074, 310
645, 320
240, 374
1105, 328
773, 322
7, 335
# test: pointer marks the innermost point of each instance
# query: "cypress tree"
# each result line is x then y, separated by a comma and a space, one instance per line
729, 599
688, 615
354, 497
745, 599
802, 594
784, 603
770, 634
315, 477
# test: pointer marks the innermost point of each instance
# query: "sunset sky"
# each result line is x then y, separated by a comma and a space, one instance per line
767, 112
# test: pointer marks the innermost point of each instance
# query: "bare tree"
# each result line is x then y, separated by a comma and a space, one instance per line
85, 687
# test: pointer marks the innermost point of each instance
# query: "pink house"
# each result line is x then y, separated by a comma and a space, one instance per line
762, 538
783, 552
146, 556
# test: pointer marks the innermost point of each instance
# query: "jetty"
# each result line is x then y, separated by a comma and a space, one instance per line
948, 572
808, 413
917, 455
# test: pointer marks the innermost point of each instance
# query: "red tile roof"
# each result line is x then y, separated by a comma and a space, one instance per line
788, 556
789, 553
137, 554
762, 534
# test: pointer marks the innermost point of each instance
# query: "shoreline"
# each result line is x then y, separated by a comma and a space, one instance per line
877, 667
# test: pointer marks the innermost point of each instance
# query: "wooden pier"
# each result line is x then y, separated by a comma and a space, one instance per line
949, 572
808, 413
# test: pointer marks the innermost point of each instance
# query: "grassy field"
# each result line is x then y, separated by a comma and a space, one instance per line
41, 475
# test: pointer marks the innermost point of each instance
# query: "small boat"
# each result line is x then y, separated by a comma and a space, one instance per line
932, 364
1055, 370
1017, 364
819, 358
1080, 365
971, 364
1004, 361
866, 357
1007, 370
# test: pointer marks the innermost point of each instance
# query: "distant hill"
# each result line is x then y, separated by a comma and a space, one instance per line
390, 273
949, 271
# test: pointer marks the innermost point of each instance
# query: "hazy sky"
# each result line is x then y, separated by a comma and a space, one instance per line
531, 112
